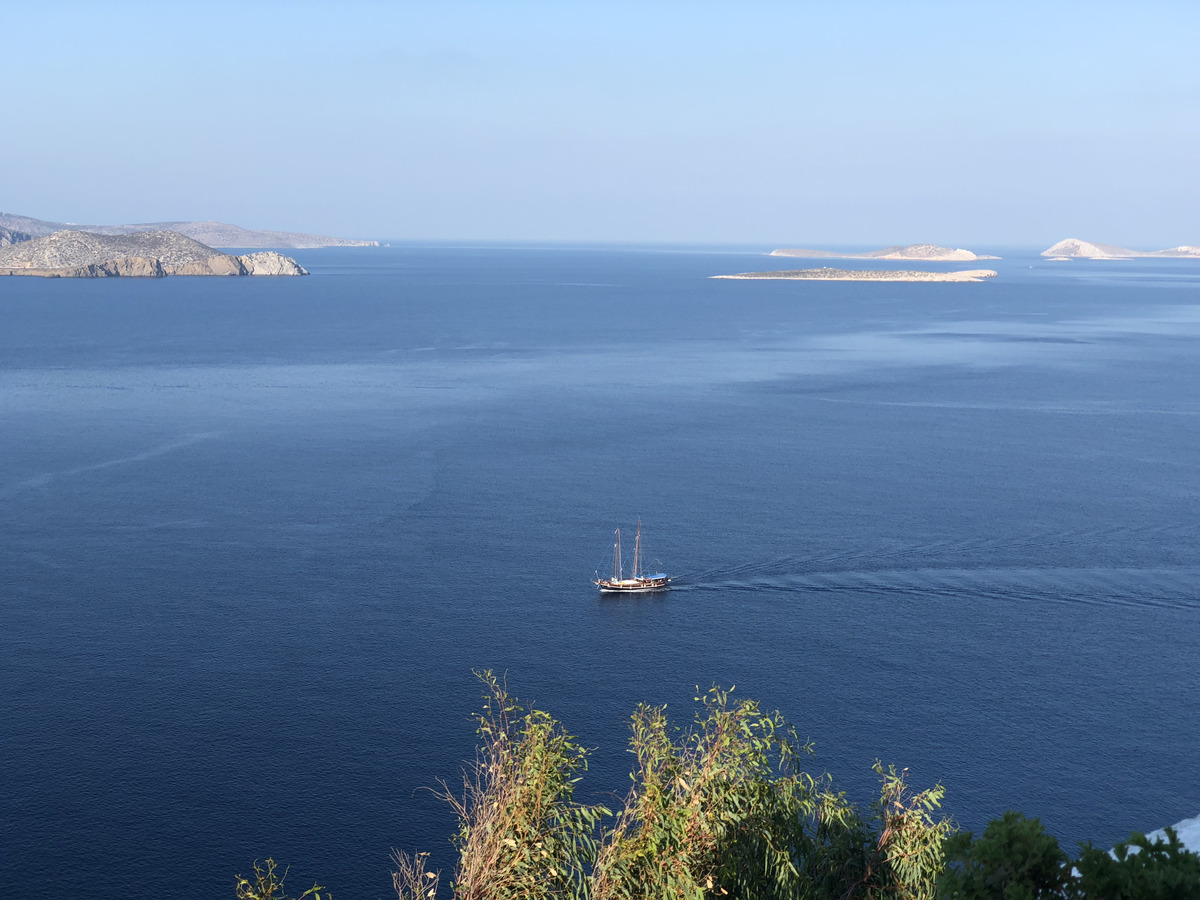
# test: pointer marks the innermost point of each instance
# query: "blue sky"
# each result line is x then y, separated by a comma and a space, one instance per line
777, 123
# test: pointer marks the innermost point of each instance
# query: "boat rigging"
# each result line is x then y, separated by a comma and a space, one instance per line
637, 583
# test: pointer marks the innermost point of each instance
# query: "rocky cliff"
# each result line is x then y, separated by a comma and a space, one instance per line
80, 248
212, 234
927, 252
267, 262
151, 254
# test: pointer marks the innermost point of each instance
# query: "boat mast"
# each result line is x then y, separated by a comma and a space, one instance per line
617, 573
637, 548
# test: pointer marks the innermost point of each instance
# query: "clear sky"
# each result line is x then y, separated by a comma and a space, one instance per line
786, 124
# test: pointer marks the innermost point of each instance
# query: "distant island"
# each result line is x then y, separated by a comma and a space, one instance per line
144, 254
1073, 248
927, 252
828, 274
213, 234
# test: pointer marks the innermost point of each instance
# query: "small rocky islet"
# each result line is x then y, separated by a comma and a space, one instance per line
923, 252
1074, 248
831, 274
913, 252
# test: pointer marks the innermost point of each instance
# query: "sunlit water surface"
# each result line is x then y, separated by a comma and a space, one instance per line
255, 534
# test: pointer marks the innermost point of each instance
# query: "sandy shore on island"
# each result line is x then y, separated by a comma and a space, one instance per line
828, 274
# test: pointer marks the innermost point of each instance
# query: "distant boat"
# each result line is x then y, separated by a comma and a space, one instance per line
637, 583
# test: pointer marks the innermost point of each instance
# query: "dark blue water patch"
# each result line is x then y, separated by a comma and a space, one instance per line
255, 536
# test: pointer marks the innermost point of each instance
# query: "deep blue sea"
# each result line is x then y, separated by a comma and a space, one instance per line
255, 534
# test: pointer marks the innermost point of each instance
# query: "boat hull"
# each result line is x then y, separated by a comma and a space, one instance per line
632, 585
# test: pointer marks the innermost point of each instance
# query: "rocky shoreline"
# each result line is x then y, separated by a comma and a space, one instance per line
830, 274
150, 254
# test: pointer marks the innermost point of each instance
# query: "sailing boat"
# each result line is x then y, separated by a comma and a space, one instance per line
637, 583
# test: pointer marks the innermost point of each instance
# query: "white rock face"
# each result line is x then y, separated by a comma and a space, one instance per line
267, 262
925, 251
1073, 248
213, 265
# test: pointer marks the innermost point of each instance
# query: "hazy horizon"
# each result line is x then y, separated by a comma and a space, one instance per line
769, 124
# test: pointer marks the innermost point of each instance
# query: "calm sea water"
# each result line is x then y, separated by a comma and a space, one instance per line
255, 534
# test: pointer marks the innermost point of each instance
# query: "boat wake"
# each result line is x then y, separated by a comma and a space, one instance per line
46, 478
1074, 567
1162, 588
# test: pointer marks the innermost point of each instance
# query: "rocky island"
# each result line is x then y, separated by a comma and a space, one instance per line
829, 274
146, 254
926, 252
214, 234
1073, 248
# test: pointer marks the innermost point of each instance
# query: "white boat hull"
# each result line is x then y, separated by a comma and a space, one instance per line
632, 585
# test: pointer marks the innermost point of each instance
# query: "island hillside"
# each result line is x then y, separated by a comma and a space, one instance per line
149, 254
12, 236
927, 252
1073, 248
214, 234
830, 274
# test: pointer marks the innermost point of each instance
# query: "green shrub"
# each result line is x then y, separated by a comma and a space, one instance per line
1139, 869
717, 809
1016, 860
520, 833
722, 809
266, 885
1013, 860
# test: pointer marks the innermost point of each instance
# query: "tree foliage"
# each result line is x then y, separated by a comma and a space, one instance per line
723, 809
1015, 859
1139, 869
520, 832
719, 809
712, 810
265, 884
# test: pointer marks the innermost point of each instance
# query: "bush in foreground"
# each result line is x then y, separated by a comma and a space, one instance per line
717, 809
266, 884
1015, 859
723, 809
